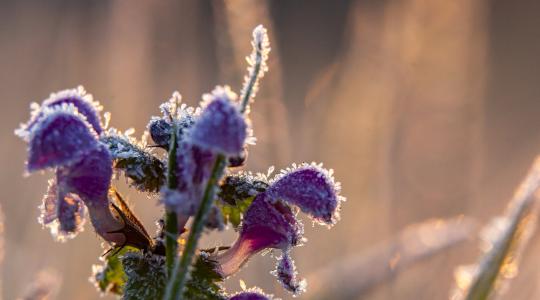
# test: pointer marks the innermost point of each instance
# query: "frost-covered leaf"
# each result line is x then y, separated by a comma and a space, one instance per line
147, 172
146, 276
204, 282
236, 194
110, 277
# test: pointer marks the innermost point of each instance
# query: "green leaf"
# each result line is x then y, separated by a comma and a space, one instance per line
146, 276
147, 172
236, 193
233, 214
204, 281
110, 277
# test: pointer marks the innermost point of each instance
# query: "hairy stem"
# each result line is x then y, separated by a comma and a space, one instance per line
171, 223
177, 281
247, 91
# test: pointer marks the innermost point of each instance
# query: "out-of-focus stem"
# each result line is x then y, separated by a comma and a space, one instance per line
253, 77
178, 278
171, 226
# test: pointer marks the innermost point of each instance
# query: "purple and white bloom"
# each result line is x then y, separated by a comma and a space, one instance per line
266, 225
83, 102
62, 139
220, 128
311, 188
287, 275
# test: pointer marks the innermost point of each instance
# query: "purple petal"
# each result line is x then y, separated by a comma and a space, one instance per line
62, 213
90, 178
84, 104
312, 189
61, 137
221, 127
270, 225
287, 275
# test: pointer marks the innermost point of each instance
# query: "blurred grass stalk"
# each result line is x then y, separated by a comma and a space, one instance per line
350, 277
504, 239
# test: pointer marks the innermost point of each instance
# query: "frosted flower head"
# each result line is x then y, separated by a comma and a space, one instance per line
160, 131
312, 189
287, 275
83, 103
221, 128
60, 137
266, 225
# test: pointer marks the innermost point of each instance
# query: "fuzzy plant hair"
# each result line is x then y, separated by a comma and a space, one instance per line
192, 168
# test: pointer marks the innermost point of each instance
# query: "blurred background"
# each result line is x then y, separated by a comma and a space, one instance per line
424, 109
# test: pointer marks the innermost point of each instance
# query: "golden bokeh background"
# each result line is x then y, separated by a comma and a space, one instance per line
424, 109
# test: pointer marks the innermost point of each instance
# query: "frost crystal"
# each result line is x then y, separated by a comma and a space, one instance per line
61, 137
220, 128
311, 188
287, 275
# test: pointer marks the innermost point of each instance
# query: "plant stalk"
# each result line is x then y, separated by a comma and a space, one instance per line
171, 222
177, 281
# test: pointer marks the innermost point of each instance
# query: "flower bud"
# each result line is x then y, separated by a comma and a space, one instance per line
221, 128
312, 189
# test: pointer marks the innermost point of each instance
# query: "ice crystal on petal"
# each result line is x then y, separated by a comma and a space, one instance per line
61, 137
287, 275
220, 128
312, 189
83, 102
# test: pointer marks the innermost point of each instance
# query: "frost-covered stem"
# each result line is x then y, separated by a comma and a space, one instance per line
179, 277
253, 77
171, 223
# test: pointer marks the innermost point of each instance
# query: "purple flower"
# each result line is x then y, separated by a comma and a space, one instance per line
83, 102
287, 275
312, 189
251, 294
265, 225
221, 128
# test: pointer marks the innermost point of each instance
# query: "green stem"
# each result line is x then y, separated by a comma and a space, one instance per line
171, 223
179, 277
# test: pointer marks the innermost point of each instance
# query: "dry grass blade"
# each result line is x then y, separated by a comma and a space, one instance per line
504, 239
355, 275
